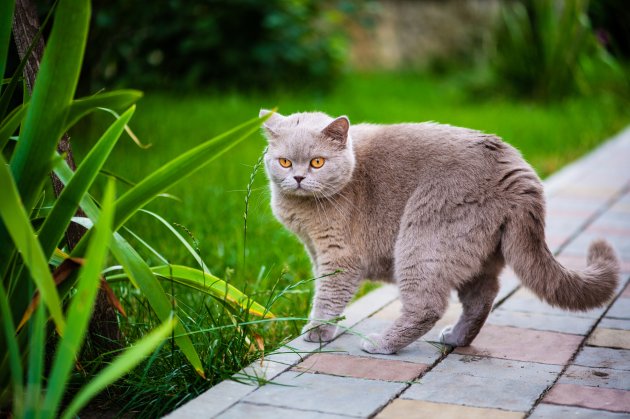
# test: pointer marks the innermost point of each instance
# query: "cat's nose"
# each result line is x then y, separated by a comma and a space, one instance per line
298, 179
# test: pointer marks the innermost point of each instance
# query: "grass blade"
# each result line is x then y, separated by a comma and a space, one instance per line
66, 205
81, 305
119, 99
20, 230
36, 345
123, 364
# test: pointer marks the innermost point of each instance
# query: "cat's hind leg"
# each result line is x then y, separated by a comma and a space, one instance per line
477, 296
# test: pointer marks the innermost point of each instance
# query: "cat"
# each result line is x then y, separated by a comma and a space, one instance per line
431, 207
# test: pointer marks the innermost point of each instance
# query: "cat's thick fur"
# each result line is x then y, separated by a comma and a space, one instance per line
431, 207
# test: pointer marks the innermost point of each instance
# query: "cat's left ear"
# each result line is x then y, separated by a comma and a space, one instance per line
337, 130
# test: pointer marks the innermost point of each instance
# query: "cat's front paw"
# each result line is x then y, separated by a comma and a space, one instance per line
318, 333
375, 344
449, 337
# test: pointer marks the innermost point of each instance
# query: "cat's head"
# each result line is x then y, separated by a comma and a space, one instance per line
310, 154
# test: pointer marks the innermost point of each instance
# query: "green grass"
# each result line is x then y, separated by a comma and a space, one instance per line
211, 203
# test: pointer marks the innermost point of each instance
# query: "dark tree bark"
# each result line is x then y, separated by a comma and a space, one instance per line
103, 326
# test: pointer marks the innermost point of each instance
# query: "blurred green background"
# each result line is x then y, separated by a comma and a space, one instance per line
549, 76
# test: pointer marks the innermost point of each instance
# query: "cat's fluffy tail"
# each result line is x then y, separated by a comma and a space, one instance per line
523, 246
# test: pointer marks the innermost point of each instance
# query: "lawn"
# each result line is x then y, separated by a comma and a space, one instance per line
210, 204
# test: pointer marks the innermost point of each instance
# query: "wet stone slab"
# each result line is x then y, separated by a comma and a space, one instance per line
523, 345
484, 382
326, 393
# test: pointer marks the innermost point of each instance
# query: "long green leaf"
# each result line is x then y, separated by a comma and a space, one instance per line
52, 95
137, 269
10, 124
66, 205
36, 345
81, 305
181, 167
20, 230
140, 275
121, 366
15, 362
6, 15
208, 284
119, 99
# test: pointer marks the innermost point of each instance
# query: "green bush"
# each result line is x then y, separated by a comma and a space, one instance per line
547, 50
225, 43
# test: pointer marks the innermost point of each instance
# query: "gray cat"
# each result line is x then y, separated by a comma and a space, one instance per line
432, 207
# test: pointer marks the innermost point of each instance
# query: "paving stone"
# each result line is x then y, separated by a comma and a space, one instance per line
537, 321
326, 393
580, 245
421, 351
578, 262
596, 377
590, 356
610, 338
484, 382
214, 401
523, 345
418, 409
620, 308
590, 397
552, 411
361, 367
259, 411
607, 323
524, 300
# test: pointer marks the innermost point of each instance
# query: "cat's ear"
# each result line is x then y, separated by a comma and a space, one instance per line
337, 130
273, 120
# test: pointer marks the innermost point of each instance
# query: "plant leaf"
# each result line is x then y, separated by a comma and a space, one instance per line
66, 205
137, 269
52, 95
123, 364
118, 99
20, 230
13, 349
81, 305
210, 284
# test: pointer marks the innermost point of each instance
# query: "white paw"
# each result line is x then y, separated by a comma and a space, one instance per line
318, 333
374, 344
449, 338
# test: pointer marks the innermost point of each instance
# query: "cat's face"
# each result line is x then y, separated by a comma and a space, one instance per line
310, 154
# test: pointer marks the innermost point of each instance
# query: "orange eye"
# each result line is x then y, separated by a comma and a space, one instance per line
285, 162
317, 162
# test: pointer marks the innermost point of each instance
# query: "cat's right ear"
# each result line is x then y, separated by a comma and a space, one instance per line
270, 123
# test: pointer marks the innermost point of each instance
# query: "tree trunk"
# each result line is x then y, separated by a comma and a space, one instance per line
103, 325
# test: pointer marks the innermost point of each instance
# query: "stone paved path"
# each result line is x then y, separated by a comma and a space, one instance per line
530, 360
